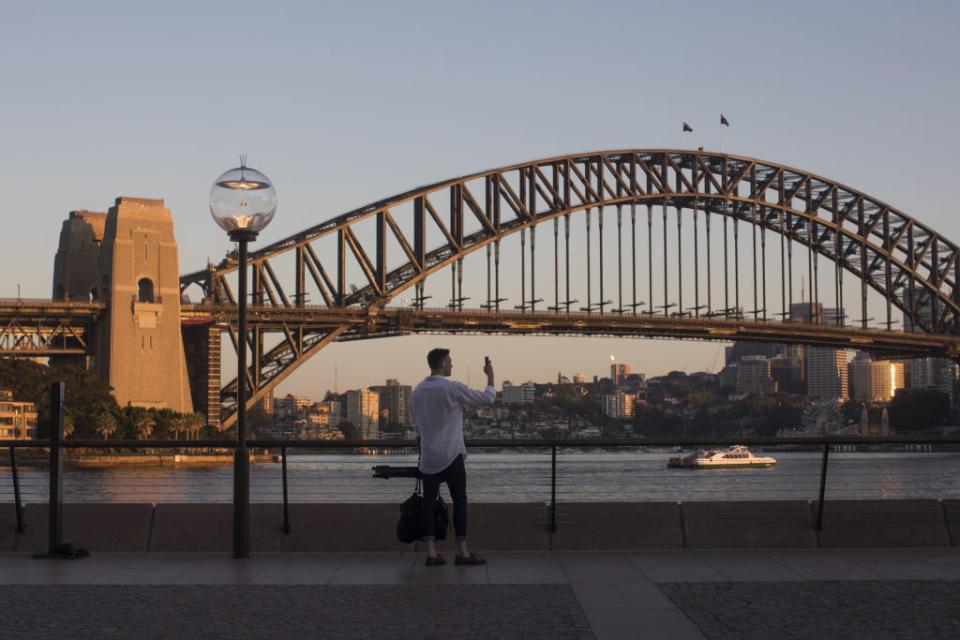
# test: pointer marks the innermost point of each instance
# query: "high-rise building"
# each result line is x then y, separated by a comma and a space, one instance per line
618, 372
787, 372
826, 368
938, 374
618, 405
363, 411
875, 380
395, 398
753, 376
827, 373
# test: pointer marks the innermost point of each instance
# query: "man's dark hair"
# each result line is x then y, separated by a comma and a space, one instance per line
436, 356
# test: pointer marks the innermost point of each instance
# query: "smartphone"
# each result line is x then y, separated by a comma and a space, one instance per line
486, 361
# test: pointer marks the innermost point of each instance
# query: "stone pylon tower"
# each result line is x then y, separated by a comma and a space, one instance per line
76, 269
139, 349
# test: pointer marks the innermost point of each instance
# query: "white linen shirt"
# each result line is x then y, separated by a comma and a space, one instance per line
436, 406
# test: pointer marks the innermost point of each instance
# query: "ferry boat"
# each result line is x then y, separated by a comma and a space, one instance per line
735, 457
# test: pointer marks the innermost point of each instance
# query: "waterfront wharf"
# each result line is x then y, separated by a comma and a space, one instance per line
643, 594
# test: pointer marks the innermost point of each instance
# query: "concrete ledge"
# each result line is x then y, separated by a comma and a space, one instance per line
34, 536
883, 523
209, 527
343, 527
8, 526
498, 526
507, 526
617, 525
748, 525
951, 514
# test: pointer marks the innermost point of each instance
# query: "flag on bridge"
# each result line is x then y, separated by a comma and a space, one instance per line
723, 121
687, 127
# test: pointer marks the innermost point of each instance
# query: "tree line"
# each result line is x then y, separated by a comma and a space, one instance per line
90, 409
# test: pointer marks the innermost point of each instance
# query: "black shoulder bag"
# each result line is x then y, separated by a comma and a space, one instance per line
410, 527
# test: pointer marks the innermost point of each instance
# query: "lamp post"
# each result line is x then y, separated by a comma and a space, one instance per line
242, 202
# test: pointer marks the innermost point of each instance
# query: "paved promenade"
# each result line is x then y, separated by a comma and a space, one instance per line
877, 594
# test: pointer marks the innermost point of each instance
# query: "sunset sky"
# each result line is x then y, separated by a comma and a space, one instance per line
342, 104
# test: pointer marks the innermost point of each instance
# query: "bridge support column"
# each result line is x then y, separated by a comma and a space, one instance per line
201, 344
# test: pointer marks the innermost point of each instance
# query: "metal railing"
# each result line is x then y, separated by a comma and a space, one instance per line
555, 471
56, 447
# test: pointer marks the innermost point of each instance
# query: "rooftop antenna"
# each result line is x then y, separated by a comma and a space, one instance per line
336, 385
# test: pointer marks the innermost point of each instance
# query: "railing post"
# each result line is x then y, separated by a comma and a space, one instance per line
286, 503
16, 489
823, 485
553, 489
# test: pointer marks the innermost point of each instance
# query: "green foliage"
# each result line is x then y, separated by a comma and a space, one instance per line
90, 410
918, 409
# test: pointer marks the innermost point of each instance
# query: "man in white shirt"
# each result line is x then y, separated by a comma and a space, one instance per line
437, 409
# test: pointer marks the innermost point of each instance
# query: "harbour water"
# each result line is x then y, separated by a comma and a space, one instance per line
518, 477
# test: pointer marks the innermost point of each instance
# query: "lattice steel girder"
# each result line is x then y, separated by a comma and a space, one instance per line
355, 324
44, 328
917, 270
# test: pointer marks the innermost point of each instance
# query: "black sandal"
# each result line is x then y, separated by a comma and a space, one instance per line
472, 559
435, 561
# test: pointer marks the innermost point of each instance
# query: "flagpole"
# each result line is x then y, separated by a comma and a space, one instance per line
721, 138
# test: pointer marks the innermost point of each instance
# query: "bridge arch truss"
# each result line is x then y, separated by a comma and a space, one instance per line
356, 263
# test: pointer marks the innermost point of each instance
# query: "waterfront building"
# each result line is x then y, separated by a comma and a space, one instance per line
18, 420
363, 411
753, 376
518, 394
579, 378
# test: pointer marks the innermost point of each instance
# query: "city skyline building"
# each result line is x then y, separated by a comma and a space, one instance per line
395, 399
518, 394
618, 372
363, 411
619, 404
753, 376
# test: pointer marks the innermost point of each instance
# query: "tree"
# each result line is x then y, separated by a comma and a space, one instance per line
918, 409
105, 424
349, 431
143, 427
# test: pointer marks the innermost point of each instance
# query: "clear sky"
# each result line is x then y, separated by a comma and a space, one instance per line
344, 103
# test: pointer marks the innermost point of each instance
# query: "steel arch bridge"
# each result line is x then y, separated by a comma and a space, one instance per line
356, 263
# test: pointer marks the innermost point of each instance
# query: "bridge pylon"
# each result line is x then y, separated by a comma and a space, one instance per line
127, 258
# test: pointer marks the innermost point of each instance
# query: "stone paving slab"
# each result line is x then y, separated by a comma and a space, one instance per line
875, 609
548, 611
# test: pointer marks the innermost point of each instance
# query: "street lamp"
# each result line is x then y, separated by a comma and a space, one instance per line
242, 202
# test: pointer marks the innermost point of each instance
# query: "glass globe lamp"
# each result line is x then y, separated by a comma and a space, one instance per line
243, 201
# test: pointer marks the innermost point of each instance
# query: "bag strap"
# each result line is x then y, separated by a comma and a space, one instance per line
416, 488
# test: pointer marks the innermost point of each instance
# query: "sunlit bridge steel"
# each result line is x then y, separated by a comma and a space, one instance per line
660, 243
